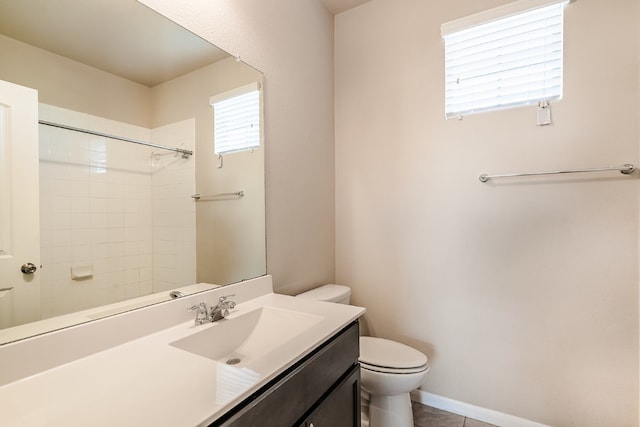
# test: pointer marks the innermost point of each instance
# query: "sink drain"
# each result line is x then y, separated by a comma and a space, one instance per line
233, 361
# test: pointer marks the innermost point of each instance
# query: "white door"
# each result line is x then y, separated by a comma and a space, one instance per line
19, 205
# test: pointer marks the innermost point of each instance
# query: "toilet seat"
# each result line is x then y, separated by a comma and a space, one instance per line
387, 370
386, 356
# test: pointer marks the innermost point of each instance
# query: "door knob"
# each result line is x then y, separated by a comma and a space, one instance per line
28, 268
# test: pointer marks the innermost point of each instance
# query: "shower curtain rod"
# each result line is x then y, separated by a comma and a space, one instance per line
181, 151
624, 169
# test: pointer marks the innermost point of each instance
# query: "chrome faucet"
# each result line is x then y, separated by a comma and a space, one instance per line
220, 311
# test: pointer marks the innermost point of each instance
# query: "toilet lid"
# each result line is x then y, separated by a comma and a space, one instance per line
390, 354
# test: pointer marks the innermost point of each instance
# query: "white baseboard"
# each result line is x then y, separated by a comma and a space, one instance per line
467, 410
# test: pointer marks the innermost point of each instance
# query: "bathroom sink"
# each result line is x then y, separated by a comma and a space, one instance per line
238, 340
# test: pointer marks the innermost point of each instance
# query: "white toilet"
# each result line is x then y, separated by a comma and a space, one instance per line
389, 370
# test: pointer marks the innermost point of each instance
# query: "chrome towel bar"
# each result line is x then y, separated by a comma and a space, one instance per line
219, 196
624, 169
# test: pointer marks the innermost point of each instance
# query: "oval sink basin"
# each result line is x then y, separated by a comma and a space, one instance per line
238, 340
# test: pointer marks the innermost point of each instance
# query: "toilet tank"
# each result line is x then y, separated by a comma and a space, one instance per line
331, 293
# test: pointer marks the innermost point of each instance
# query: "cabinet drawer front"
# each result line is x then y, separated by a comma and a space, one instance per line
285, 400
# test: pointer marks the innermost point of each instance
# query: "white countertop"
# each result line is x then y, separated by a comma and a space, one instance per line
149, 382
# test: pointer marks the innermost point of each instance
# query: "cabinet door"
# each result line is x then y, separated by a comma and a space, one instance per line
296, 392
341, 408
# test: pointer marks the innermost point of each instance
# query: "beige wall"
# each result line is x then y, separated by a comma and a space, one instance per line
291, 42
72, 85
230, 239
524, 294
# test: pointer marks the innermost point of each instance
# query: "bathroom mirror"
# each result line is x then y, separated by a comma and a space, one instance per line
124, 224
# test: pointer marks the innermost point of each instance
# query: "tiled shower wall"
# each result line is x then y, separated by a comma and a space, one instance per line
97, 212
173, 213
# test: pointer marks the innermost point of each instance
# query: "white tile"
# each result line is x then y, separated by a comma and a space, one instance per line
79, 171
146, 274
132, 262
98, 205
115, 220
100, 280
132, 220
99, 235
60, 221
45, 236
133, 234
59, 188
116, 264
98, 189
131, 276
81, 253
60, 237
114, 176
101, 266
81, 204
99, 251
115, 190
116, 278
80, 188
115, 235
115, 205
45, 255
146, 287
99, 220
61, 254
81, 237
132, 248
57, 271
116, 250
80, 221
98, 173
132, 290
98, 144
130, 206
146, 261
48, 170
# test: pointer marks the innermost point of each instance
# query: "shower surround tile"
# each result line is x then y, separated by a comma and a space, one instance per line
97, 199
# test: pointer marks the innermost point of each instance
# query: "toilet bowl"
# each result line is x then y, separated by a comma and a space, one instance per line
389, 370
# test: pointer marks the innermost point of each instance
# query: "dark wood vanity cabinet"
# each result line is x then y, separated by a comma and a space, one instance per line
341, 407
323, 389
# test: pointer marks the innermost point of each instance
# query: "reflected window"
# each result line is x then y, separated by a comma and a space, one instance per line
236, 116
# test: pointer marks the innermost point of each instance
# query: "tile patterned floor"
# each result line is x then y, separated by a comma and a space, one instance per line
426, 416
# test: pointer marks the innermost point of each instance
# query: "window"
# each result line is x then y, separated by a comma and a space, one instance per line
505, 57
236, 116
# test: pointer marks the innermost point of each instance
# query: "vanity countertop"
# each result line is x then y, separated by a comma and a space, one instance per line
147, 381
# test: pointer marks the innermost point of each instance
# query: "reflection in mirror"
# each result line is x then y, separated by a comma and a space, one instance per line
121, 223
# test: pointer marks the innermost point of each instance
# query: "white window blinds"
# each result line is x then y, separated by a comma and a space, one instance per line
236, 116
512, 58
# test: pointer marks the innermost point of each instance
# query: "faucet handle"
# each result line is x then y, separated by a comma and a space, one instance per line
200, 306
225, 304
202, 313
224, 298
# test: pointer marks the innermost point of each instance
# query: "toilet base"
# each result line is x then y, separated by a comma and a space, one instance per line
388, 411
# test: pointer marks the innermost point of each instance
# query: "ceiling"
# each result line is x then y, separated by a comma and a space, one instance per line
122, 37
338, 6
